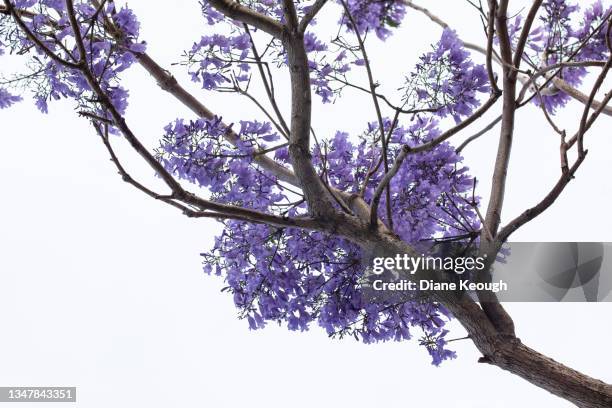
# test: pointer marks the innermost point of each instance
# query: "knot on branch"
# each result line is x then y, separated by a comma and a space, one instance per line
168, 82
232, 6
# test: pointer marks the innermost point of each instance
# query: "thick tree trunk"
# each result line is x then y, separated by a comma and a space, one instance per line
507, 352
546, 373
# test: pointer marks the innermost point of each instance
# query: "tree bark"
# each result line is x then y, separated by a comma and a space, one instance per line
509, 353
556, 378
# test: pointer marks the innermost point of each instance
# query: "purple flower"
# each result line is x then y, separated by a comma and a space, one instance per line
376, 15
446, 80
7, 99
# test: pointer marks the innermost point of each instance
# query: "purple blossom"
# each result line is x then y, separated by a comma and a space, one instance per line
446, 80
299, 277
127, 22
595, 47
107, 56
7, 99
556, 39
217, 58
376, 15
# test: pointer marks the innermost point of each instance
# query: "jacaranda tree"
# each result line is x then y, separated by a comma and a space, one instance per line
304, 213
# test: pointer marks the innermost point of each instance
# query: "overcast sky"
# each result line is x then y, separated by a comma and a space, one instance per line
102, 288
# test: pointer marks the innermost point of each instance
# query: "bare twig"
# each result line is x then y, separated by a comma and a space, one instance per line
453, 131
266, 84
477, 135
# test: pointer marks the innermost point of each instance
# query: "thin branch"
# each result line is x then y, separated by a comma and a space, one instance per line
522, 41
581, 97
426, 12
453, 131
32, 37
498, 184
307, 18
381, 124
543, 205
267, 86
168, 83
235, 10
477, 135
384, 98
384, 184
489, 51
77, 32
170, 199
278, 127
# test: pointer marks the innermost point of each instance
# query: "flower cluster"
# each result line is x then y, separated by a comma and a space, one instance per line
558, 33
375, 15
556, 39
592, 33
298, 277
197, 152
7, 99
108, 54
223, 62
220, 59
446, 80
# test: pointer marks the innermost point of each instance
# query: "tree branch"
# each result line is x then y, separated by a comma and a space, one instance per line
318, 198
522, 41
178, 192
11, 10
490, 50
169, 84
267, 87
379, 117
598, 83
543, 205
384, 184
498, 185
470, 139
307, 18
235, 10
453, 131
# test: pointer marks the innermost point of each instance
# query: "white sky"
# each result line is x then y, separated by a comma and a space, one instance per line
102, 288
